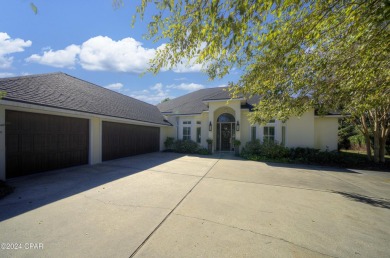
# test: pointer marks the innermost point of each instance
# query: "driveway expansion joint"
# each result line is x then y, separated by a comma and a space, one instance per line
169, 214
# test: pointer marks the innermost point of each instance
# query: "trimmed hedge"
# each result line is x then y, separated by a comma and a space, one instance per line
185, 146
255, 150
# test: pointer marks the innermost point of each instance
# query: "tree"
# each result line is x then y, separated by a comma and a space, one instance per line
297, 55
165, 100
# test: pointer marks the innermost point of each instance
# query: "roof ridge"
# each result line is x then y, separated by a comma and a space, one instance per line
215, 93
30, 76
104, 88
186, 95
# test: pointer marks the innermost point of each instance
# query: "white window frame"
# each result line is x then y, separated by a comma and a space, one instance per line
186, 130
267, 136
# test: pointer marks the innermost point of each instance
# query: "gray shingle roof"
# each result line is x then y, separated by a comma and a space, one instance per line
193, 103
63, 91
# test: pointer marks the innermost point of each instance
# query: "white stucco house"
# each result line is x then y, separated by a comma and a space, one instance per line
53, 121
211, 114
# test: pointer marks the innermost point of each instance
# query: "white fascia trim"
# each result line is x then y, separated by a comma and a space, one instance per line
20, 106
174, 115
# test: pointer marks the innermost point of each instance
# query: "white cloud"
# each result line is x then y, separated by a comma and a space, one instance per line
60, 58
187, 86
180, 79
4, 75
104, 54
9, 46
153, 95
115, 86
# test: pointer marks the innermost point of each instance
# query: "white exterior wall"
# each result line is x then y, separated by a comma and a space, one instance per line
205, 129
246, 128
300, 131
326, 133
95, 140
168, 131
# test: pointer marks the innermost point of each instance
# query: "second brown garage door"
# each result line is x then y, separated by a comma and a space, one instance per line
123, 140
40, 142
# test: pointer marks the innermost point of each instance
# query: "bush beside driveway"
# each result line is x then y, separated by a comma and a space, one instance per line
171, 205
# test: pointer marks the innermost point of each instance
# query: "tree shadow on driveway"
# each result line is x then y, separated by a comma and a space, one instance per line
312, 167
376, 202
37, 190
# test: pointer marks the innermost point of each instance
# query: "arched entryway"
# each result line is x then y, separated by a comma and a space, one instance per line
226, 132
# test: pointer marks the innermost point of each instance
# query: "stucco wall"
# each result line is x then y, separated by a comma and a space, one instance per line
95, 140
326, 133
300, 131
164, 133
245, 128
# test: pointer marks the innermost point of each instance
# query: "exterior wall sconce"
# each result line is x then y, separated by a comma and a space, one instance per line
238, 126
210, 127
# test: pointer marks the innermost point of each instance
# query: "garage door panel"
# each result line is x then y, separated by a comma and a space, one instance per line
40, 142
123, 140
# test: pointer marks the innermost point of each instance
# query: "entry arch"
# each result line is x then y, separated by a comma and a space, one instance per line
226, 132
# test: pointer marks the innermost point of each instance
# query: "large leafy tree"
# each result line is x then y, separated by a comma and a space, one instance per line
298, 55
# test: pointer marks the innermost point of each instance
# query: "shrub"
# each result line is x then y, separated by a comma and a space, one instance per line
303, 154
271, 150
357, 141
169, 143
186, 146
203, 151
251, 148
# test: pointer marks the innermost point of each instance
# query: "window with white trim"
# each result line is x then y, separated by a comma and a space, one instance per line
269, 134
186, 130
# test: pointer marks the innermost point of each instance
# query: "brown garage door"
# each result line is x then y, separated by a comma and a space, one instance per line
38, 142
123, 140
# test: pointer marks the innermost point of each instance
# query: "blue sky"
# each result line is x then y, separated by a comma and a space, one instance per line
93, 41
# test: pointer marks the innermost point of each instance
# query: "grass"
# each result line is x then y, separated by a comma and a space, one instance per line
5, 189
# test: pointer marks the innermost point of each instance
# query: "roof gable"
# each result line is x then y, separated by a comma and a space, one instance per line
194, 102
63, 91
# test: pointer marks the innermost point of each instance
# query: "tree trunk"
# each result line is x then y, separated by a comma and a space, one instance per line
382, 150
366, 137
376, 147
382, 147
368, 146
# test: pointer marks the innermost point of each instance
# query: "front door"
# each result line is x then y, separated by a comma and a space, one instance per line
226, 136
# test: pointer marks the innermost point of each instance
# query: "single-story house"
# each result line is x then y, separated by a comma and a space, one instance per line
53, 121
212, 114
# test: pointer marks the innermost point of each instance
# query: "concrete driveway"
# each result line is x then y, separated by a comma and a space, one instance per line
171, 205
